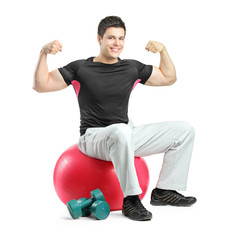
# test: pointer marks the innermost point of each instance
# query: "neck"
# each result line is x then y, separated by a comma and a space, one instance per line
104, 59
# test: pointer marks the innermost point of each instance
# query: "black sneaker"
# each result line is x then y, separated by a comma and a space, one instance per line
134, 209
160, 197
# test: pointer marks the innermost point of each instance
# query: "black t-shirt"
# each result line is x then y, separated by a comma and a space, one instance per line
103, 90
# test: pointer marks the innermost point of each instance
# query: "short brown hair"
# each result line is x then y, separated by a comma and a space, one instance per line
110, 21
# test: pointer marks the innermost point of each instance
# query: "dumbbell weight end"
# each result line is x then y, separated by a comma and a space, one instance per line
100, 209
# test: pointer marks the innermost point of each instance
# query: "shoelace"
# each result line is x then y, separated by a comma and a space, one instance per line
140, 206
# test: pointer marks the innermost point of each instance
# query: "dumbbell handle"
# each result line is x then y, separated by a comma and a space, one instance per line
95, 195
86, 203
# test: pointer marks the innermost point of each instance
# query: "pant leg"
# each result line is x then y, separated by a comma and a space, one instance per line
176, 140
114, 143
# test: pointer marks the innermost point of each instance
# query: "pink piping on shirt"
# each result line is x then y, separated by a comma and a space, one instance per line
76, 86
136, 82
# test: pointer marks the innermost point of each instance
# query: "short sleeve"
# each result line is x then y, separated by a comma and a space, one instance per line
69, 71
145, 71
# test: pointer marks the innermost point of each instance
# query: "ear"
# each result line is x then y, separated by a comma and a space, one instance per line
99, 39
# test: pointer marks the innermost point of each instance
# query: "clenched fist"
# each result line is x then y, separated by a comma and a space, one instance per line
154, 46
52, 47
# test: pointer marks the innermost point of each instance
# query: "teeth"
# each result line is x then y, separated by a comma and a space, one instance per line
115, 49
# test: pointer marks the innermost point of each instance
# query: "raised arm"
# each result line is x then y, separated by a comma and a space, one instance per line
165, 75
45, 81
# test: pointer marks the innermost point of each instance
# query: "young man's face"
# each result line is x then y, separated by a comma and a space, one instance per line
112, 43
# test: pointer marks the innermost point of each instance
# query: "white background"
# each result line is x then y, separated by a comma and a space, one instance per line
36, 128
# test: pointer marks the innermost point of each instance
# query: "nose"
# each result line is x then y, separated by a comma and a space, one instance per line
116, 43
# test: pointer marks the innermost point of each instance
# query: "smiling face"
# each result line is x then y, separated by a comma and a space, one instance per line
112, 44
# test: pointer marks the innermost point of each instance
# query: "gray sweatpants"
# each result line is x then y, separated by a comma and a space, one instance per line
120, 142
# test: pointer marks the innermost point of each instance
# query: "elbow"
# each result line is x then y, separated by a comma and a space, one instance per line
171, 81
37, 87
39, 90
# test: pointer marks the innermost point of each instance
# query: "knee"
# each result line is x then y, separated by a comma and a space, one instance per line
188, 129
120, 132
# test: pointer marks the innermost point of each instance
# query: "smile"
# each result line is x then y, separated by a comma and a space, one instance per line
115, 49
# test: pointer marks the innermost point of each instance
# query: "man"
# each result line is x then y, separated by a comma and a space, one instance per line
103, 85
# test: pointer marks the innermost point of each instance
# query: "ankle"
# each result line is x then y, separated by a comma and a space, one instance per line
160, 190
131, 197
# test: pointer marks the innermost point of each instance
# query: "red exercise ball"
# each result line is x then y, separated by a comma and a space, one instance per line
76, 175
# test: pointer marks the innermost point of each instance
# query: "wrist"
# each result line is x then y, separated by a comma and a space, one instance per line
43, 51
163, 51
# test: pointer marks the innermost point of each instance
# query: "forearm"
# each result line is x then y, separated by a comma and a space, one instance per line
41, 74
166, 66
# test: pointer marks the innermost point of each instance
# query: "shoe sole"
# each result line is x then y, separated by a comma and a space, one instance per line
137, 219
161, 203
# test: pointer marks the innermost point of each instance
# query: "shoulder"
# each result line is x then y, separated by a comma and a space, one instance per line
133, 62
74, 66
77, 62
130, 61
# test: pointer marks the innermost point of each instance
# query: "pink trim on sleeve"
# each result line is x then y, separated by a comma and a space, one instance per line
76, 86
